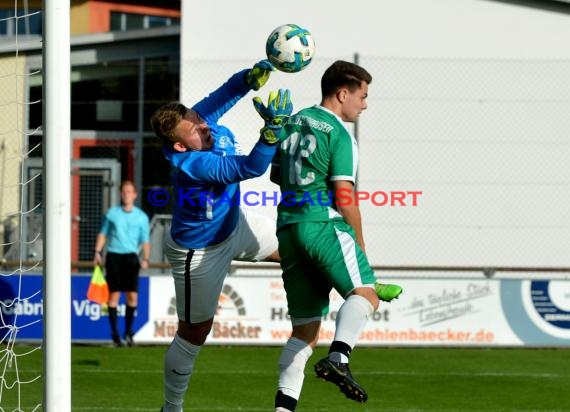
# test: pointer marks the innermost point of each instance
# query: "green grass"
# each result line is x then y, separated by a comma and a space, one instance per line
244, 379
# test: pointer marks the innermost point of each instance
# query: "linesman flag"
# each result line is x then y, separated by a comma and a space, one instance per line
98, 291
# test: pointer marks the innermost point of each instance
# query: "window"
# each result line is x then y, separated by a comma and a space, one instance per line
130, 21
23, 23
159, 21
105, 96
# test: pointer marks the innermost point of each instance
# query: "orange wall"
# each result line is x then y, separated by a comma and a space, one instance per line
93, 16
100, 13
79, 17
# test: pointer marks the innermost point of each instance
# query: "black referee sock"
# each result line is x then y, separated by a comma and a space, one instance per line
129, 319
113, 321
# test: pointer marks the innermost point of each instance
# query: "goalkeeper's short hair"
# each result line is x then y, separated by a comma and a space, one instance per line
165, 119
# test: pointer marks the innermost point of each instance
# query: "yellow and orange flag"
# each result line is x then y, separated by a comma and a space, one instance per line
98, 291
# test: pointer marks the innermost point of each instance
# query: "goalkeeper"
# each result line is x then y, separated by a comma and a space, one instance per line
207, 235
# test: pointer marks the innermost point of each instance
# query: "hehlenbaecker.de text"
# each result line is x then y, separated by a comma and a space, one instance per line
341, 197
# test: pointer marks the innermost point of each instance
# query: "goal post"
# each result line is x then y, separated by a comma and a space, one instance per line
57, 201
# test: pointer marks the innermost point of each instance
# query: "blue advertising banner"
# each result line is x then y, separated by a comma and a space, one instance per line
22, 308
253, 310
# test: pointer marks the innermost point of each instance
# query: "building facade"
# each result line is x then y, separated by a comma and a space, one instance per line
124, 64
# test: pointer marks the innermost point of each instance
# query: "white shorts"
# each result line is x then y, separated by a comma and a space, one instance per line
199, 273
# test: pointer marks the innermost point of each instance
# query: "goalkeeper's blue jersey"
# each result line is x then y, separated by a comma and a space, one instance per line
206, 183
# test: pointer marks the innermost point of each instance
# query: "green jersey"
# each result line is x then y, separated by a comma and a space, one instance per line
315, 150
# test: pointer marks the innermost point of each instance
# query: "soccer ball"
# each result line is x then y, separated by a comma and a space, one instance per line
290, 48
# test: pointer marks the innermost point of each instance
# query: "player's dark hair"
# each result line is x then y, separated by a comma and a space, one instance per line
343, 74
165, 119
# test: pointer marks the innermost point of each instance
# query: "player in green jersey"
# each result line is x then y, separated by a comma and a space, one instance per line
320, 241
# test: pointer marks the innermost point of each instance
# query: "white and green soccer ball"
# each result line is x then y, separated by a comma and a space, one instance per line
290, 48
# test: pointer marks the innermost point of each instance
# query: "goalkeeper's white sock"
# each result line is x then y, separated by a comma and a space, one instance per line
350, 321
178, 365
294, 357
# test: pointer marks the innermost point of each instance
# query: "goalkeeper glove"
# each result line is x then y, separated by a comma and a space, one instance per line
275, 114
259, 74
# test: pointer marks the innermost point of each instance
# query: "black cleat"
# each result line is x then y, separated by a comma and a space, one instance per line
339, 374
117, 342
129, 339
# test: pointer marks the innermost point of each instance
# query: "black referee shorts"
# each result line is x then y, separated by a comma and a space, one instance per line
122, 272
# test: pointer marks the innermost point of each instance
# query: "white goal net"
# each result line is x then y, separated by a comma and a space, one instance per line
30, 380
20, 361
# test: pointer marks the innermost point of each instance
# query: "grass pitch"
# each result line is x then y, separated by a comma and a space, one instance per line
244, 379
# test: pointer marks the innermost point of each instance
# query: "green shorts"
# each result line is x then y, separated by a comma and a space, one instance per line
316, 257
